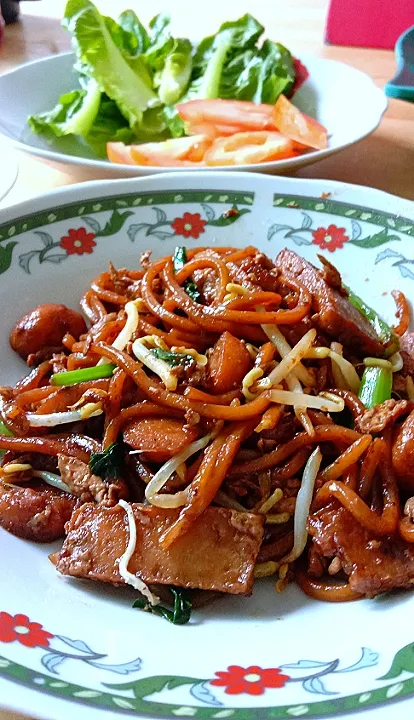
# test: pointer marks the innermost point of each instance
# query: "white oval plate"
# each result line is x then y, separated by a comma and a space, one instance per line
342, 98
9, 168
91, 651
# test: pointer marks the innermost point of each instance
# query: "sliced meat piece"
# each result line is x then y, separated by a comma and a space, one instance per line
336, 316
255, 271
403, 453
374, 565
87, 486
381, 416
36, 513
407, 353
44, 327
159, 439
228, 364
217, 553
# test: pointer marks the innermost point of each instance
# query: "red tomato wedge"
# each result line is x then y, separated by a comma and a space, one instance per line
297, 126
249, 147
237, 113
171, 151
212, 131
119, 153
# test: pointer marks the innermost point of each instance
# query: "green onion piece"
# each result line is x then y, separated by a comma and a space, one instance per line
179, 258
385, 333
376, 386
4, 430
179, 615
73, 377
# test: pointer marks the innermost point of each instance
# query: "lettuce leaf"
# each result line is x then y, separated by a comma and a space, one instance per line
131, 77
74, 114
129, 22
97, 41
214, 52
259, 75
172, 81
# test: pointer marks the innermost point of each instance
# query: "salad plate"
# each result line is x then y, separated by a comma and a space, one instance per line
342, 98
71, 647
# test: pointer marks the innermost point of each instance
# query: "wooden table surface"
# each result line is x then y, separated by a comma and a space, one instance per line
384, 160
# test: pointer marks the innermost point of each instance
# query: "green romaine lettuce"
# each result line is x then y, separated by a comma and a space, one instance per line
214, 52
259, 75
172, 81
74, 114
131, 78
96, 48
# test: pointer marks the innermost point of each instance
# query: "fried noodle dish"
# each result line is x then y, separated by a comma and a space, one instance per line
220, 418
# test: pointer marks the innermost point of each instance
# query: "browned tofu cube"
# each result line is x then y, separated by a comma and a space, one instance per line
217, 553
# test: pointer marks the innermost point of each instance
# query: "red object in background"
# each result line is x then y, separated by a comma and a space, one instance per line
368, 23
1, 27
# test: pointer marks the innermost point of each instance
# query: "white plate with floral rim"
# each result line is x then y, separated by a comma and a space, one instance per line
341, 97
71, 647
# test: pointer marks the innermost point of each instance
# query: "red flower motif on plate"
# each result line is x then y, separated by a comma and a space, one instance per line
252, 680
19, 627
189, 225
331, 238
78, 242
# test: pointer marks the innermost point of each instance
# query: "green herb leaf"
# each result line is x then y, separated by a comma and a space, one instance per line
73, 377
107, 464
179, 615
171, 358
179, 258
192, 290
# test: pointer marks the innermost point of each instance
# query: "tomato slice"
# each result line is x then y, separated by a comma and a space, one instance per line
249, 147
171, 151
119, 153
297, 126
237, 113
212, 131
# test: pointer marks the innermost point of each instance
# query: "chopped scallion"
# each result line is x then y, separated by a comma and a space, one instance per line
4, 430
73, 377
385, 333
376, 386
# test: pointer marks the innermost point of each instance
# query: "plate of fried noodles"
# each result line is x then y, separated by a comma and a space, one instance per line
207, 450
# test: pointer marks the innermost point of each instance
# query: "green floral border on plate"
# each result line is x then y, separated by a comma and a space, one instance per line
111, 701
65, 212
342, 209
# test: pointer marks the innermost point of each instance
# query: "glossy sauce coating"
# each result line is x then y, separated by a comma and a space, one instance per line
45, 326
